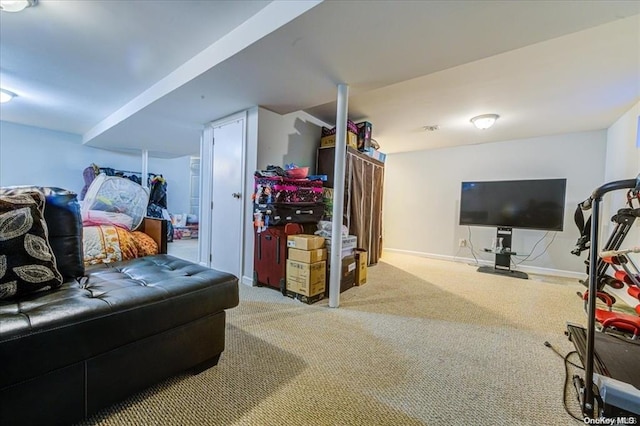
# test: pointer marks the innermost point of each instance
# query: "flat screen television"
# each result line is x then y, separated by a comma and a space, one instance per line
526, 204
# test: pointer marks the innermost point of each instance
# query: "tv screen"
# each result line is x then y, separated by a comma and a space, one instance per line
527, 204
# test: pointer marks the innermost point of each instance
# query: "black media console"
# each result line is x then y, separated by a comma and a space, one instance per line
503, 254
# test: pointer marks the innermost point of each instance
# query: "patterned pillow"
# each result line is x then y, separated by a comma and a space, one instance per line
27, 263
64, 226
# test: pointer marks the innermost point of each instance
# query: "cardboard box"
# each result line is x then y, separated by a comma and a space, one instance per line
343, 254
307, 279
351, 127
329, 141
348, 272
308, 256
305, 241
348, 242
364, 135
305, 299
361, 266
347, 275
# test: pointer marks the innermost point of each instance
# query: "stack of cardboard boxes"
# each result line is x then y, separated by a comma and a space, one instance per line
328, 138
354, 263
358, 136
307, 260
306, 267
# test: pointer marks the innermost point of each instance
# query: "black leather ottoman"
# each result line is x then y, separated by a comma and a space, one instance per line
69, 352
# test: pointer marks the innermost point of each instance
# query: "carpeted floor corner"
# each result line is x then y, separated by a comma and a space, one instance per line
424, 342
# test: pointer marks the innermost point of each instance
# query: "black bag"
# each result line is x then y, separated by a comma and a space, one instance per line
282, 213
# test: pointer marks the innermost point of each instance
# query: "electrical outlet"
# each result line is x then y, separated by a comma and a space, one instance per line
462, 242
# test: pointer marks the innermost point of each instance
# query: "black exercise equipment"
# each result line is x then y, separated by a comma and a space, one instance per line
624, 220
624, 388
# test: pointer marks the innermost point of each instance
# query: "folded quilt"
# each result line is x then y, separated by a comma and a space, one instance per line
107, 243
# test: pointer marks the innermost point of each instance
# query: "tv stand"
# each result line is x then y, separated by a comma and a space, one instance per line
502, 265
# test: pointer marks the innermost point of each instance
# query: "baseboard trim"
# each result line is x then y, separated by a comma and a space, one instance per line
482, 262
247, 281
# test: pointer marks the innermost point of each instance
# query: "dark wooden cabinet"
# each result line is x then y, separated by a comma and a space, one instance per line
364, 179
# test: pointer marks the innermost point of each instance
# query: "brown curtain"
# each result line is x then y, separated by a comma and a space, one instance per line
364, 179
363, 203
376, 217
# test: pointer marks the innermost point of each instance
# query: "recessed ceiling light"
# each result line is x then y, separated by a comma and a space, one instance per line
16, 5
6, 96
484, 121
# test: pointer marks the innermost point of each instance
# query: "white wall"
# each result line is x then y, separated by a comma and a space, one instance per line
177, 173
622, 162
36, 156
623, 155
422, 195
290, 138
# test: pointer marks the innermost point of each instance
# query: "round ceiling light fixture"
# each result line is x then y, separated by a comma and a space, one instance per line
16, 5
6, 96
484, 121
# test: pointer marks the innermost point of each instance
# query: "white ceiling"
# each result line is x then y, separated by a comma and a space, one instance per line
131, 75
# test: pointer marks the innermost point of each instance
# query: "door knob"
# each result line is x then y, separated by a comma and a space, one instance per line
236, 195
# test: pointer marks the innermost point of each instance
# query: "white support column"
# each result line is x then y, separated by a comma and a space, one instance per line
338, 195
145, 169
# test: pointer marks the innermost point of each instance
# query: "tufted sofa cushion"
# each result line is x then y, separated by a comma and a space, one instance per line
116, 304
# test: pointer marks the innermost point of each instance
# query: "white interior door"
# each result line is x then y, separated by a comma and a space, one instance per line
227, 197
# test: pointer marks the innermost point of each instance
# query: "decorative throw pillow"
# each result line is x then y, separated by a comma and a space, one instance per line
27, 262
64, 226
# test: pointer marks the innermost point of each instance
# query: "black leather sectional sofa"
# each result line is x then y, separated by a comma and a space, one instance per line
114, 330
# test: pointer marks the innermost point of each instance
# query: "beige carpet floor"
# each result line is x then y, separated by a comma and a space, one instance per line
424, 342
